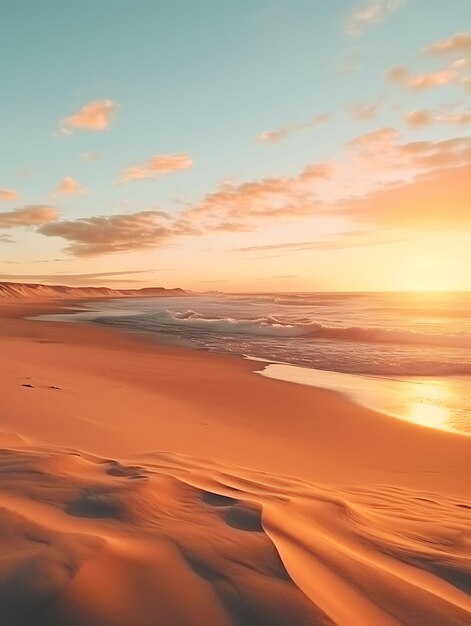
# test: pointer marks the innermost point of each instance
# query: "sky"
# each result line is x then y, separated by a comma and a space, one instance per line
249, 145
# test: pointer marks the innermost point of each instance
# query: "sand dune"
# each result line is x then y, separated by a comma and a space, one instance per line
32, 290
173, 540
152, 486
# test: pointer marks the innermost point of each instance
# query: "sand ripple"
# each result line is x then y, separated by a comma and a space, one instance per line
165, 539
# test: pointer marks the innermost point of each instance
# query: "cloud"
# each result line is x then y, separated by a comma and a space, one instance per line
69, 186
363, 112
420, 82
339, 241
455, 118
245, 204
158, 165
380, 139
96, 115
393, 186
461, 42
435, 200
116, 233
233, 208
32, 215
381, 151
425, 118
6, 239
419, 119
370, 13
272, 136
72, 278
6, 195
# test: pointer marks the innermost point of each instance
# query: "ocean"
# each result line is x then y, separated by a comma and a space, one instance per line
408, 354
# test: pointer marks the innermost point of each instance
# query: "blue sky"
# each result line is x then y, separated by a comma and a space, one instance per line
203, 79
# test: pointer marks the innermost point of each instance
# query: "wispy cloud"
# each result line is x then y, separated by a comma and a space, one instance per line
369, 13
419, 82
459, 43
273, 136
158, 165
339, 241
72, 278
96, 116
426, 117
6, 239
32, 215
7, 195
364, 111
70, 187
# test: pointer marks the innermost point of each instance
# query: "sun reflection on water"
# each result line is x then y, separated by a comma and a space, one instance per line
428, 403
443, 403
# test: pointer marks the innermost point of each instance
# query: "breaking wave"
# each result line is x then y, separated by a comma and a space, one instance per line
271, 326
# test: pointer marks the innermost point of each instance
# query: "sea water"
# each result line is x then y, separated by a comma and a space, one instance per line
405, 353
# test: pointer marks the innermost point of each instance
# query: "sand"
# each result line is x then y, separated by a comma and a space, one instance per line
147, 485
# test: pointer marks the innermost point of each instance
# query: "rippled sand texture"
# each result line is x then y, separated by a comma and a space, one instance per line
168, 539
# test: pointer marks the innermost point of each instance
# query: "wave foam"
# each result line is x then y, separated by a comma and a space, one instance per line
271, 326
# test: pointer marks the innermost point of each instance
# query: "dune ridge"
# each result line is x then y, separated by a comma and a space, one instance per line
242, 547
12, 291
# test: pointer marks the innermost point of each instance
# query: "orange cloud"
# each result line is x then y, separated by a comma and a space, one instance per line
419, 82
419, 118
461, 42
32, 215
91, 236
234, 208
370, 13
412, 186
375, 140
6, 195
455, 118
269, 198
158, 165
435, 200
383, 148
96, 115
69, 186
272, 136
425, 118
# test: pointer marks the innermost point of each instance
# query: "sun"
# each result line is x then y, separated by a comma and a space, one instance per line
429, 274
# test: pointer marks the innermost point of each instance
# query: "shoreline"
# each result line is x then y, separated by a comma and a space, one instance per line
137, 466
96, 338
440, 402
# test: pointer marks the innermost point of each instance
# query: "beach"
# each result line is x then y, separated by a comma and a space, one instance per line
151, 484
